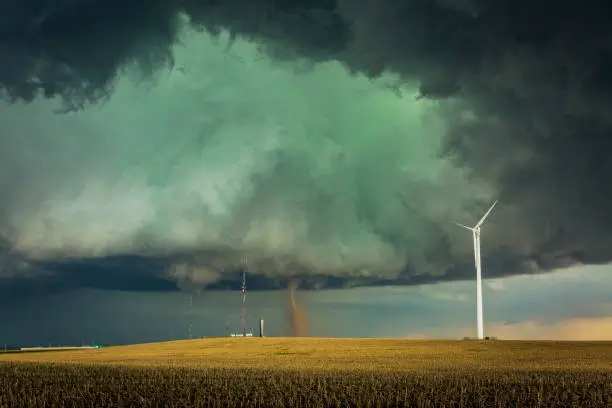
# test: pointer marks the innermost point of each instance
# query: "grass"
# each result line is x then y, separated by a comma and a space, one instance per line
314, 373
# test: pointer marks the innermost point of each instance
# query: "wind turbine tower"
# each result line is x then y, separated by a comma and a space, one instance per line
476, 236
244, 313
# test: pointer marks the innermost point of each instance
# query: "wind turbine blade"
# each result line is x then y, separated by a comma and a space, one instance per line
484, 217
464, 226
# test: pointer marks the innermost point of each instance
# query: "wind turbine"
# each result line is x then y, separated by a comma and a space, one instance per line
476, 236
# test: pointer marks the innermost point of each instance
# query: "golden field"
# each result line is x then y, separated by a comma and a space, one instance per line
350, 354
314, 372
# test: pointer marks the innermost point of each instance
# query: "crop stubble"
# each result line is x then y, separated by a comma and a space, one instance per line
314, 373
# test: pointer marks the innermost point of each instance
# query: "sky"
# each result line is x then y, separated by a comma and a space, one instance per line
573, 304
306, 169
146, 149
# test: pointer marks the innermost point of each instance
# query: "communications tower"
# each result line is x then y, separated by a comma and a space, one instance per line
244, 312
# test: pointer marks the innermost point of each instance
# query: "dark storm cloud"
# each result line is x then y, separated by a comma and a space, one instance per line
526, 86
199, 272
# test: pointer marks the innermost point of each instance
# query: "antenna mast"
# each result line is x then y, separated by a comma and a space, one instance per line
244, 271
190, 316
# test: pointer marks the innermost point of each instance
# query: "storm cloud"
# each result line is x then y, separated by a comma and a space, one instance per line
189, 149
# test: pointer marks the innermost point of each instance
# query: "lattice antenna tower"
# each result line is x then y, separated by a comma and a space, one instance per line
190, 316
244, 312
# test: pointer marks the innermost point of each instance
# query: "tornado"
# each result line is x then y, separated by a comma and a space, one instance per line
298, 319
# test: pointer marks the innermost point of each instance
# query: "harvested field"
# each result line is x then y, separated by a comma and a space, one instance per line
314, 372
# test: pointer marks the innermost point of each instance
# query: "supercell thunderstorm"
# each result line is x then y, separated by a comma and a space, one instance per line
310, 171
191, 149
